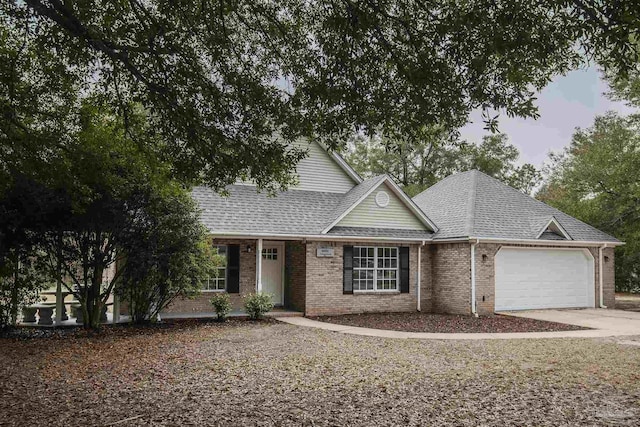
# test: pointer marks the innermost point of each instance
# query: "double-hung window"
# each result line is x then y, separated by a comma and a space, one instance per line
375, 268
218, 280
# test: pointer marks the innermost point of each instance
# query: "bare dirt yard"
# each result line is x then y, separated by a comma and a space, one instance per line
261, 374
446, 323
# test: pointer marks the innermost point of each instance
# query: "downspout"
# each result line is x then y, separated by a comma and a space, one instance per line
473, 278
259, 266
418, 306
600, 274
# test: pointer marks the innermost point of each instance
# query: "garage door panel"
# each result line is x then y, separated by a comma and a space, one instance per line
549, 278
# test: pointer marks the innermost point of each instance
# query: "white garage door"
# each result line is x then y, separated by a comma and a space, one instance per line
544, 278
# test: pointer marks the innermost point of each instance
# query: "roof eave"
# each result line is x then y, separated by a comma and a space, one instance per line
324, 237
534, 242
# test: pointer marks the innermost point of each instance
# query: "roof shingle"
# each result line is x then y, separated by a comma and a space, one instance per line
473, 204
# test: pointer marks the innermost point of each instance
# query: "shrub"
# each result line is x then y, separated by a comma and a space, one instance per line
222, 305
256, 305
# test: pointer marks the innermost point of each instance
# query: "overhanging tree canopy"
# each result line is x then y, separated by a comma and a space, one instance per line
218, 78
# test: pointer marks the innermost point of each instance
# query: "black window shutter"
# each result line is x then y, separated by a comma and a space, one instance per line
347, 272
233, 269
404, 270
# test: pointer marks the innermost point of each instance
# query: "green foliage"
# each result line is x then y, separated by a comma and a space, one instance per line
166, 256
20, 280
497, 158
596, 180
414, 163
23, 267
219, 79
257, 305
107, 191
221, 303
418, 164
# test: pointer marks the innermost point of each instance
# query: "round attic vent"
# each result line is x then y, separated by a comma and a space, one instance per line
382, 199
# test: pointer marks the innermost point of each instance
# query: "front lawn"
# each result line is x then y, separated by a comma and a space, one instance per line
269, 373
446, 323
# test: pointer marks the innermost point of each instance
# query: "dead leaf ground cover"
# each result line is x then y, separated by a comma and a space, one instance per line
446, 323
244, 373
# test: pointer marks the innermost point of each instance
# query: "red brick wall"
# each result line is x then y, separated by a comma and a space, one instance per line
324, 285
201, 304
295, 275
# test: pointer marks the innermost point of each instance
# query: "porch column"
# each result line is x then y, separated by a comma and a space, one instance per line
115, 318
259, 266
59, 300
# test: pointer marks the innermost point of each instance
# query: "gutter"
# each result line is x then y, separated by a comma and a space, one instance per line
473, 278
532, 242
327, 237
600, 274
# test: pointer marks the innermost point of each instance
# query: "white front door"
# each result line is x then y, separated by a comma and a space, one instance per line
529, 278
273, 270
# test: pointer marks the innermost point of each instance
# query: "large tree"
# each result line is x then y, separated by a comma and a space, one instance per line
596, 180
219, 78
108, 192
419, 164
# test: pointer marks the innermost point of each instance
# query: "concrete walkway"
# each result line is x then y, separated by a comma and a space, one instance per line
606, 323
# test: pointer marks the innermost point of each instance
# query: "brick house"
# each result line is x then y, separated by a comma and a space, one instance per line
337, 244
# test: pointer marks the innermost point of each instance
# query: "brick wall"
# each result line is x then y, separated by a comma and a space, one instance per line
426, 279
450, 278
609, 274
485, 276
200, 304
295, 275
324, 285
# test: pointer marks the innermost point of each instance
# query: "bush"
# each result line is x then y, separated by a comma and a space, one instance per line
20, 282
222, 305
257, 305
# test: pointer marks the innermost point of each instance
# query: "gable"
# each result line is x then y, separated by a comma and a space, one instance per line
395, 215
553, 231
320, 171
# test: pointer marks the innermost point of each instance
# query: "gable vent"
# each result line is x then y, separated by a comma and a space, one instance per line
382, 199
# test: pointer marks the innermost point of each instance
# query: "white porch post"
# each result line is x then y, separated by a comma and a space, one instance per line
116, 309
59, 299
259, 266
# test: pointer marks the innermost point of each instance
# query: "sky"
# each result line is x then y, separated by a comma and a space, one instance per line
568, 102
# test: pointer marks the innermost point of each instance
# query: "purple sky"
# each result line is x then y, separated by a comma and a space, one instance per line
568, 102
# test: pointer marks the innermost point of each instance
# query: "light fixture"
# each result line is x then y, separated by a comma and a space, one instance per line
249, 248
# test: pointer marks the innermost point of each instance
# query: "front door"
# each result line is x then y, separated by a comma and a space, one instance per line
272, 270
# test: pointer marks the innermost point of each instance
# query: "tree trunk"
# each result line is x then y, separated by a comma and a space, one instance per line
94, 301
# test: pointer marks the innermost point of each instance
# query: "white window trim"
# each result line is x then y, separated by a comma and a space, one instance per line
375, 271
226, 275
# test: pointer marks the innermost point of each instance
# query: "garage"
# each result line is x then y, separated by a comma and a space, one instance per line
532, 278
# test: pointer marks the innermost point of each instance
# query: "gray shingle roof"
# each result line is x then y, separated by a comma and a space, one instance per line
247, 211
294, 212
473, 204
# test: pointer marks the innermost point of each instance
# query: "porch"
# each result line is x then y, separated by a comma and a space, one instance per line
276, 267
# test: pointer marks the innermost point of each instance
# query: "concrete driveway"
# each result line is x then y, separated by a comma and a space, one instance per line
610, 322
